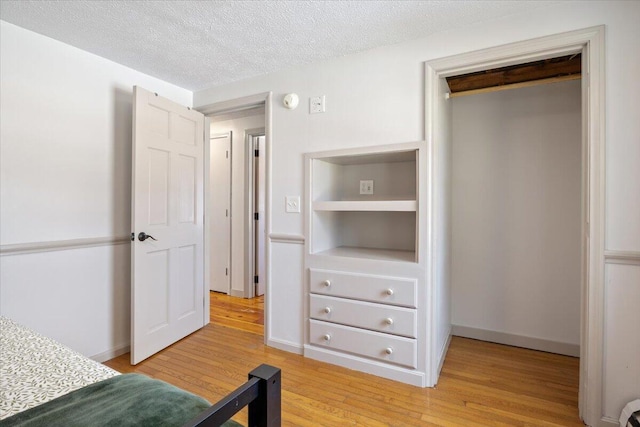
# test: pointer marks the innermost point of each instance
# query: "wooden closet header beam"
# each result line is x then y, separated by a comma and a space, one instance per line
516, 85
521, 75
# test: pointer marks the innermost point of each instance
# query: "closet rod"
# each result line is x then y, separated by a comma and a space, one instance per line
516, 85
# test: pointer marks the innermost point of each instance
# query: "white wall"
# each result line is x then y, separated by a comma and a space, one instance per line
377, 97
81, 297
285, 319
239, 152
65, 161
622, 349
516, 212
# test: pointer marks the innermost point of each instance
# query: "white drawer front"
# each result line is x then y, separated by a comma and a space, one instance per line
386, 290
377, 317
385, 347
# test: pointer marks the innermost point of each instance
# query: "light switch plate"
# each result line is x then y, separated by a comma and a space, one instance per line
317, 104
366, 187
292, 204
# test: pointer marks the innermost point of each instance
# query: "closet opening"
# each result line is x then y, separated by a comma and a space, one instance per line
516, 170
516, 202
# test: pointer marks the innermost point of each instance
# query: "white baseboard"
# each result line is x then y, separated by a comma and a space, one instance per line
517, 340
443, 353
289, 346
608, 422
235, 293
112, 353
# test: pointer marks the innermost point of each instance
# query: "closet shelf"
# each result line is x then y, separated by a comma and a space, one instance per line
367, 205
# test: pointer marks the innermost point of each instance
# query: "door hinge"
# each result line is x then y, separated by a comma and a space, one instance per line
255, 279
133, 236
226, 213
226, 271
256, 216
227, 154
256, 153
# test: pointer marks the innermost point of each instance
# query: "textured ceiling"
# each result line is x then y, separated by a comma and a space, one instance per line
199, 44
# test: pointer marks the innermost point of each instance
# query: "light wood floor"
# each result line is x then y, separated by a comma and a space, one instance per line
238, 313
481, 384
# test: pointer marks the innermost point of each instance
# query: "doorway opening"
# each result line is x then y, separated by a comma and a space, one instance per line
588, 43
238, 204
237, 178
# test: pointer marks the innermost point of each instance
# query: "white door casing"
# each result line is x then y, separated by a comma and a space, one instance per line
220, 214
167, 274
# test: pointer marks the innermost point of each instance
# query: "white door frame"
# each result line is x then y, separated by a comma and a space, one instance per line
250, 226
590, 42
238, 104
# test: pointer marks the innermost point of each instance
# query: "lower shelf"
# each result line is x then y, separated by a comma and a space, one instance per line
370, 253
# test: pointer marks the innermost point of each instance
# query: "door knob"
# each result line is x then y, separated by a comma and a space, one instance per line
144, 236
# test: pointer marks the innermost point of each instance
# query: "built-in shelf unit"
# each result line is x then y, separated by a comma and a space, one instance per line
347, 223
365, 300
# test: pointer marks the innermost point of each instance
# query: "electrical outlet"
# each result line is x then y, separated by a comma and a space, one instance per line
366, 187
316, 104
292, 204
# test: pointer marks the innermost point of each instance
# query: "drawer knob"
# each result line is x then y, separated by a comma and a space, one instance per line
327, 310
327, 283
326, 337
388, 350
389, 292
388, 321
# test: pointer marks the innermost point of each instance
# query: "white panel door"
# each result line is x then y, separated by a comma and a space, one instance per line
167, 270
220, 215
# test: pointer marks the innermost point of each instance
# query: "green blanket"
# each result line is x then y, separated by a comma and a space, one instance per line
123, 400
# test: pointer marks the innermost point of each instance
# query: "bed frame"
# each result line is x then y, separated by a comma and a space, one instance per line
28, 378
263, 395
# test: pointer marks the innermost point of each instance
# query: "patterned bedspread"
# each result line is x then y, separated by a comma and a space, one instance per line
35, 369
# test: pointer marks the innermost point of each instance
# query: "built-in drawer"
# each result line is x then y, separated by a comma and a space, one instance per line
376, 345
365, 287
377, 317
